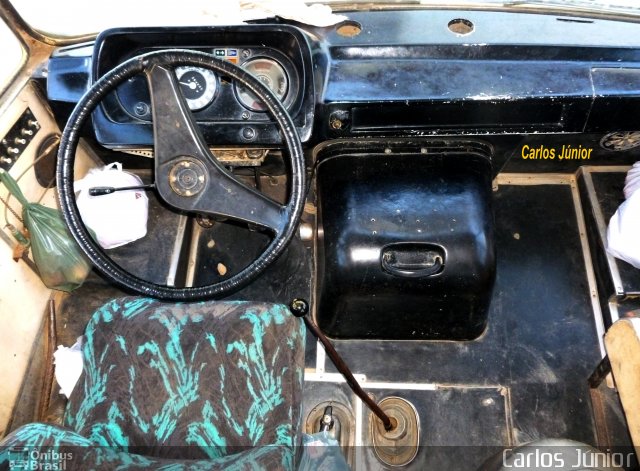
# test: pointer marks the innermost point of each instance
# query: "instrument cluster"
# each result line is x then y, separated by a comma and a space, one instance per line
227, 114
212, 97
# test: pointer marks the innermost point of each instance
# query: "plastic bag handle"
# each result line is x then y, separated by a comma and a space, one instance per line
13, 187
81, 185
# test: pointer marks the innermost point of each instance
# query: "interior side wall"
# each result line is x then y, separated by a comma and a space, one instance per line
23, 297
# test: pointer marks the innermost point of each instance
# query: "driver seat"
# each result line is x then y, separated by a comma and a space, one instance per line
210, 385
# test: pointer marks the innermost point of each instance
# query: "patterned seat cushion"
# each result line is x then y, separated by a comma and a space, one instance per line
190, 381
47, 446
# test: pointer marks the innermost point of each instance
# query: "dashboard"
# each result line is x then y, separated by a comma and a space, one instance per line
398, 74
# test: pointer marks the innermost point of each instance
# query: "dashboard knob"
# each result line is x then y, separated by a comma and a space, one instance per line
141, 109
249, 133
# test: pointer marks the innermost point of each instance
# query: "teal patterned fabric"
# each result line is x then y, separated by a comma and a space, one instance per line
218, 384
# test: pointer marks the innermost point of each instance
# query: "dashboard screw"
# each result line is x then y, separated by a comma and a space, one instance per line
245, 115
338, 120
246, 53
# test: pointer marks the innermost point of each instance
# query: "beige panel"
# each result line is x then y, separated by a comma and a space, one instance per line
23, 297
623, 347
28, 183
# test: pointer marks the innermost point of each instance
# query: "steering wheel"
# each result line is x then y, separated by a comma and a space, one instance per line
187, 175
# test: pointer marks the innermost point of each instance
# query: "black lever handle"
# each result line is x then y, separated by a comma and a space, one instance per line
107, 190
412, 260
300, 308
326, 423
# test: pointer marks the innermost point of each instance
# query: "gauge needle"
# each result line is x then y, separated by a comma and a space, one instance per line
191, 85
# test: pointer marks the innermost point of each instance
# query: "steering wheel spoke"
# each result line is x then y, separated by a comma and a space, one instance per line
188, 176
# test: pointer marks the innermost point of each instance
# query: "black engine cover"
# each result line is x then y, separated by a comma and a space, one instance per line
405, 246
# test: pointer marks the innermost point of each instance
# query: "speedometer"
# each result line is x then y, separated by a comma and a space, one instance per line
269, 72
198, 85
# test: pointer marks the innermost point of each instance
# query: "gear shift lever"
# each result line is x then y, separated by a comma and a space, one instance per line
300, 308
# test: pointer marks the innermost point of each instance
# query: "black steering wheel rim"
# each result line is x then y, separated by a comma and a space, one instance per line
65, 175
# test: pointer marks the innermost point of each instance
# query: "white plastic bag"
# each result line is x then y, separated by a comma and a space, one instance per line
117, 218
68, 361
623, 233
632, 182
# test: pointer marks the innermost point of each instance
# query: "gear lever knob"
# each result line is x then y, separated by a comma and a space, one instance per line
299, 307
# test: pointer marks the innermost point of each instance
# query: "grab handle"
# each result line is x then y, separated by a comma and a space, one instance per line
412, 260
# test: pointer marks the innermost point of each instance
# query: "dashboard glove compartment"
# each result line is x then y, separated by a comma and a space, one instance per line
405, 245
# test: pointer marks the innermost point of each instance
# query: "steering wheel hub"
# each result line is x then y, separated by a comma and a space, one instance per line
188, 177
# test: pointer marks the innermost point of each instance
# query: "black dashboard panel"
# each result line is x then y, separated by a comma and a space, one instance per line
550, 81
224, 111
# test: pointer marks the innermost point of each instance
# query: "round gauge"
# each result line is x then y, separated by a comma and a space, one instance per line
198, 86
269, 72
134, 97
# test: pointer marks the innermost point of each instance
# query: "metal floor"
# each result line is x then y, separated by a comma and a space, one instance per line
524, 379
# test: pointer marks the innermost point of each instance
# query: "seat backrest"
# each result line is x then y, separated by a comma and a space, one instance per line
199, 380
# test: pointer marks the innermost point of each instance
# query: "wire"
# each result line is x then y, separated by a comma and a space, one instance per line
6, 205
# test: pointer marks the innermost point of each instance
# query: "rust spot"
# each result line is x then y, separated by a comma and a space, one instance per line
349, 29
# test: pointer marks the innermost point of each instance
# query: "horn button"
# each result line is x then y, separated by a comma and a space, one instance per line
188, 177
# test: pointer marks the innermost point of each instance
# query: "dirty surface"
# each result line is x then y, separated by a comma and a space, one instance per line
540, 345
541, 340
